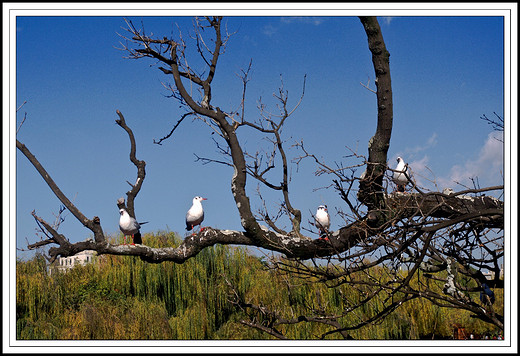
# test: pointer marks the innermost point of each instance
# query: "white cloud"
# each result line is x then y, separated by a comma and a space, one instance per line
418, 165
410, 154
431, 142
303, 19
270, 29
420, 171
488, 166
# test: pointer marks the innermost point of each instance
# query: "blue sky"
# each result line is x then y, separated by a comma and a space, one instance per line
447, 71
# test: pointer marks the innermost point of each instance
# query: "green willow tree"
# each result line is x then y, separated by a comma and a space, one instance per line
123, 298
443, 240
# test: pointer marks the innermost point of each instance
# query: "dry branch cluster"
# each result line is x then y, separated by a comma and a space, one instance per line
446, 237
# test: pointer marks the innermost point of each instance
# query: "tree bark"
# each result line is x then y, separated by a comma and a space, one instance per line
371, 187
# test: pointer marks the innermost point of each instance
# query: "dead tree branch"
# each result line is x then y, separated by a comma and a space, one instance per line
140, 165
371, 188
430, 232
92, 224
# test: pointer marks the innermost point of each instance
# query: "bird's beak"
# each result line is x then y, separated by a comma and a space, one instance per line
204, 199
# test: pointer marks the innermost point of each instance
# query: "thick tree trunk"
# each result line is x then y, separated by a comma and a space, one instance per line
371, 187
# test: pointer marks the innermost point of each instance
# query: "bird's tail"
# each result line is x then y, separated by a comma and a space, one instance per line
137, 238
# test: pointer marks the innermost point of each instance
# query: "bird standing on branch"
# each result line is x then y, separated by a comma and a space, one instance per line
130, 227
195, 215
322, 221
399, 176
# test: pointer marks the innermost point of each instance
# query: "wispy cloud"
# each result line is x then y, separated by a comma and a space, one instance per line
250, 40
387, 19
412, 152
431, 142
488, 166
420, 171
269, 30
303, 19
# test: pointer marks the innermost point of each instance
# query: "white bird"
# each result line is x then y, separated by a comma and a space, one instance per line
399, 177
129, 226
322, 220
195, 215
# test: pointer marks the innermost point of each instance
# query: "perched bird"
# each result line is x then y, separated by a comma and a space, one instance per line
487, 295
399, 177
322, 220
129, 226
195, 215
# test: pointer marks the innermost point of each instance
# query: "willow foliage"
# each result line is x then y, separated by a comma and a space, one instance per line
121, 297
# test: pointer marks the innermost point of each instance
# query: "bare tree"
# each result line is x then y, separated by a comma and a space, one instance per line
443, 236
497, 124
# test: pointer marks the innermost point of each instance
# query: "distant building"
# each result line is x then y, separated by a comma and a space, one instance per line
65, 263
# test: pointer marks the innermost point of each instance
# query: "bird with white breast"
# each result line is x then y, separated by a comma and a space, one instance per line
322, 221
129, 227
399, 176
195, 215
